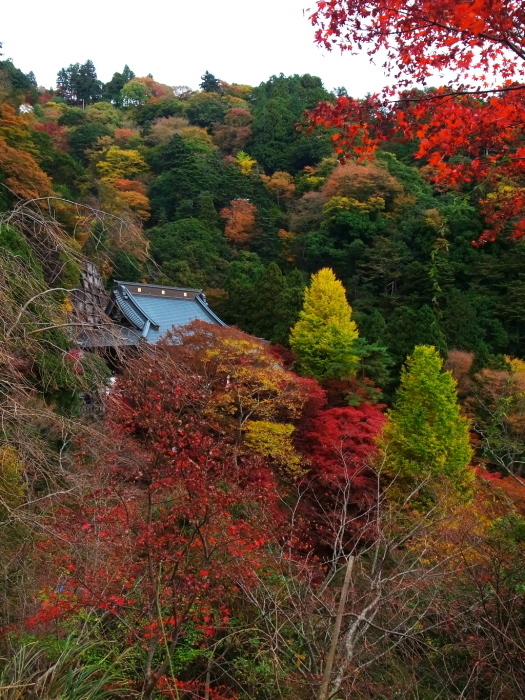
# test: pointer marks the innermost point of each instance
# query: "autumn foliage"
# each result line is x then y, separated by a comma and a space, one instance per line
481, 43
240, 221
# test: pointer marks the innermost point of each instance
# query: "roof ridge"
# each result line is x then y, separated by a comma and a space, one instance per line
158, 286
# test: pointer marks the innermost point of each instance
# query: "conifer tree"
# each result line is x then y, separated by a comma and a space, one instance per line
209, 83
426, 436
323, 338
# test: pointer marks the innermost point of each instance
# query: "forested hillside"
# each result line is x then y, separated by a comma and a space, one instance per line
232, 196
323, 499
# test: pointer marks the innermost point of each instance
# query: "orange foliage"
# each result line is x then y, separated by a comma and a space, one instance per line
361, 182
138, 202
240, 221
22, 174
459, 363
156, 90
130, 186
122, 136
514, 490
280, 184
15, 129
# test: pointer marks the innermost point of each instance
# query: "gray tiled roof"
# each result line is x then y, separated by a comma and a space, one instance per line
129, 309
145, 309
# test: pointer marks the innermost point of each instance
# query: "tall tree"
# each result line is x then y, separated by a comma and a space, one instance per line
111, 90
427, 438
240, 221
79, 84
209, 83
324, 336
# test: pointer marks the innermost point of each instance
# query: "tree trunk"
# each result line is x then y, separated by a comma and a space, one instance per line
323, 693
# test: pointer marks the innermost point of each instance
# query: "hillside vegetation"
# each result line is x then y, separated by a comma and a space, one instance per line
323, 499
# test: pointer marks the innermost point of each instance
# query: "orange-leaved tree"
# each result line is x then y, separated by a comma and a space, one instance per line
240, 221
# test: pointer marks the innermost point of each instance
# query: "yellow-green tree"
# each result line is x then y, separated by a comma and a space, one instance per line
323, 338
121, 164
426, 437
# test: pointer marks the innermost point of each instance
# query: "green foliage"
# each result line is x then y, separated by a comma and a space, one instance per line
209, 83
206, 109
190, 253
323, 338
408, 327
67, 673
146, 114
72, 116
426, 437
78, 84
262, 300
112, 89
19, 85
84, 137
13, 241
134, 94
278, 105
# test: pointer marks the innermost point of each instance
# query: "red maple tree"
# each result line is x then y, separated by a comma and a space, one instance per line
341, 485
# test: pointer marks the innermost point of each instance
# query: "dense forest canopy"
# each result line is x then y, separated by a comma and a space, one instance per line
323, 499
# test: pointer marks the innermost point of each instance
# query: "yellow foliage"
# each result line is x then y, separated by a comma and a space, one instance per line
256, 388
11, 484
244, 162
281, 184
274, 440
434, 219
66, 307
337, 203
323, 338
120, 164
517, 366
198, 135
138, 202
315, 182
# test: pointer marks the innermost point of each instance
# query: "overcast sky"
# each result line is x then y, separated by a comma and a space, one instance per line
241, 41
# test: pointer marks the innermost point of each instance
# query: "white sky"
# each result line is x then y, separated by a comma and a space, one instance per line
241, 41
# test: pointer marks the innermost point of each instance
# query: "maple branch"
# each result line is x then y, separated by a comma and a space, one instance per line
458, 93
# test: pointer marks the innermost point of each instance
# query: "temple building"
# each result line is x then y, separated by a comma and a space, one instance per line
132, 313
149, 311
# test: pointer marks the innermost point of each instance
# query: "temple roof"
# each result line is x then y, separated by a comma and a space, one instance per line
154, 309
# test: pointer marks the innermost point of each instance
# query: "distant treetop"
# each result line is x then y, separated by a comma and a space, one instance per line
210, 83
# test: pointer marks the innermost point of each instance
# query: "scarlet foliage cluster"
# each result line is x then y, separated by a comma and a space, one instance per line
466, 134
424, 36
341, 484
57, 134
180, 510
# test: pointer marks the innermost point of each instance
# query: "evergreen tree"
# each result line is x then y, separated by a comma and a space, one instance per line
277, 106
210, 83
79, 84
111, 91
323, 338
408, 327
276, 304
427, 437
